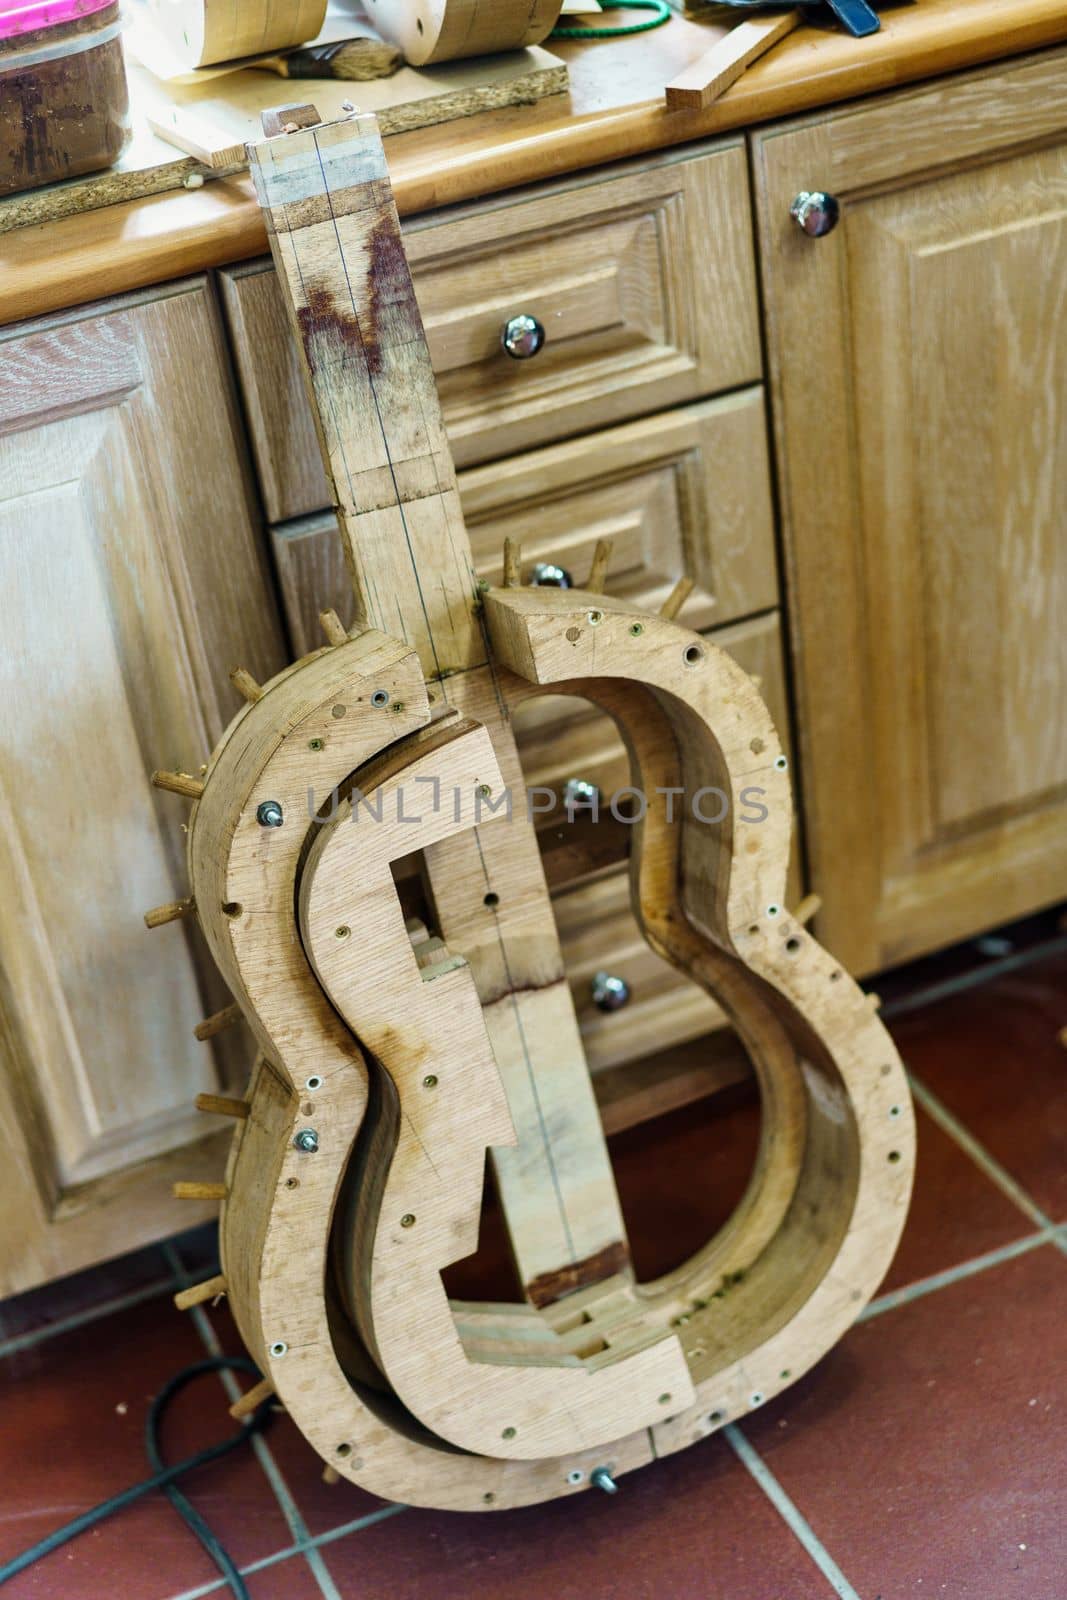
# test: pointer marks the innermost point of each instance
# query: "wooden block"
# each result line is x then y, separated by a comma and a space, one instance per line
222, 1105
199, 1191
215, 1023
171, 912
713, 73
252, 1399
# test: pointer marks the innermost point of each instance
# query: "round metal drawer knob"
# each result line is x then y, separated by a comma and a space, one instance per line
815, 212
608, 992
547, 575
522, 336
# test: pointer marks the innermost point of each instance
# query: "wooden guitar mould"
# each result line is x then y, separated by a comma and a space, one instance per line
394, 1056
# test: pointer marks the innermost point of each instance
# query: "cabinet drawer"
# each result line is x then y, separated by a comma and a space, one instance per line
644, 284
685, 492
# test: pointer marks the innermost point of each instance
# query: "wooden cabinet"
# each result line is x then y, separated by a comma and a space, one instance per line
133, 578
644, 284
918, 359
688, 491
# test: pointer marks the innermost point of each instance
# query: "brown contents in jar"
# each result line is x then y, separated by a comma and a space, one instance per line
65, 116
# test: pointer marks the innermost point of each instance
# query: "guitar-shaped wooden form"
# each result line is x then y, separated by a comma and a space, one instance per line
394, 1056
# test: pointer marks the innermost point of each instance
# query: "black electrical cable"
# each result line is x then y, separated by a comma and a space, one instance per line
165, 1477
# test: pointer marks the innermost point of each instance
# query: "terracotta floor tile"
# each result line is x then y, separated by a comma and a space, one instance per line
992, 1056
691, 1527
72, 1434
927, 1450
956, 1213
81, 1291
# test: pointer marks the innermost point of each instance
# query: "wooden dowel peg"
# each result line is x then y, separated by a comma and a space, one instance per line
676, 599
222, 1105
809, 907
333, 627
199, 1191
169, 912
512, 564
179, 783
246, 685
712, 73
874, 1001
254, 1397
1062, 1037
197, 1293
330, 1475
215, 1024
758, 681
598, 572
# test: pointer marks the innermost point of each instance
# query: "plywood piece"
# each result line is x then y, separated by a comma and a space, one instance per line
213, 122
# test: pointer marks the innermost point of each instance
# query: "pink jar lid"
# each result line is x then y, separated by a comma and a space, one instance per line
18, 16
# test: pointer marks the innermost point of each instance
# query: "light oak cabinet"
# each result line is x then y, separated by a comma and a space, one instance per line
918, 364
608, 266
133, 578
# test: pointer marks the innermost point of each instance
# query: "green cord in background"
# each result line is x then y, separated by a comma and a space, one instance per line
660, 7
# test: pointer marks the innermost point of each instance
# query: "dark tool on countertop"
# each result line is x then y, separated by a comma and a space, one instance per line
856, 16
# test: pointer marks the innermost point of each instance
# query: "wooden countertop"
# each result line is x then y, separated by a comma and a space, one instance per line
614, 109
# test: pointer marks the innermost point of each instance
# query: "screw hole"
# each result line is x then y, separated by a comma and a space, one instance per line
342, 932
232, 908
344, 1449
894, 1155
430, 1081
664, 1399
279, 1348
594, 618
491, 900
636, 629
408, 1219
784, 1374
692, 654
292, 1183
773, 911
894, 1111
792, 945
576, 1476
418, 23
756, 1399
316, 744
489, 1498
754, 928
834, 976
508, 1433
314, 1082
780, 763
716, 1417
379, 698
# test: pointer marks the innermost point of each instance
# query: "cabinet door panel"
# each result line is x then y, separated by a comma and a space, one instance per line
919, 371
132, 580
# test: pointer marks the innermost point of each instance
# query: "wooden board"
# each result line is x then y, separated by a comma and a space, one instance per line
213, 122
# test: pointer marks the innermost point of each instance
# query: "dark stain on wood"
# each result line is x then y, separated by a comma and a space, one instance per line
548, 1287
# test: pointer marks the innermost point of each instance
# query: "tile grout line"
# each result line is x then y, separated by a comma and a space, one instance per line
278, 1556
965, 1269
78, 1319
798, 1525
270, 1468
998, 1175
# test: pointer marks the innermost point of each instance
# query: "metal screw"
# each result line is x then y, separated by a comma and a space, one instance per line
636, 629
580, 792
430, 1081
408, 1219
522, 336
601, 1478
315, 744
546, 575
508, 1433
307, 1140
609, 993
484, 790
815, 212
269, 814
